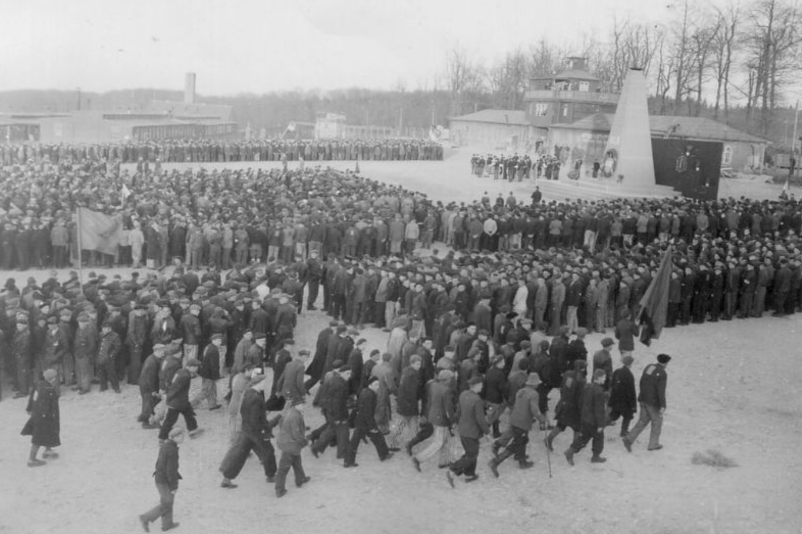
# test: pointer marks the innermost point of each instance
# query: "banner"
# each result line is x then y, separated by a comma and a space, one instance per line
98, 231
654, 304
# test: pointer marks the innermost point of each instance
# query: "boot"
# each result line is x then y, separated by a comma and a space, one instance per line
525, 464
569, 455
494, 467
596, 459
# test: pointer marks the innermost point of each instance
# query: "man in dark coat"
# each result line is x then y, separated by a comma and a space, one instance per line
148, 384
290, 384
166, 476
210, 371
410, 390
623, 402
594, 419
472, 426
290, 442
365, 425
44, 423
335, 404
107, 356
255, 435
569, 407
652, 400
315, 370
177, 400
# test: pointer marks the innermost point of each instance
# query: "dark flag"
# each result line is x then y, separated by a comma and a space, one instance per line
356, 170
654, 304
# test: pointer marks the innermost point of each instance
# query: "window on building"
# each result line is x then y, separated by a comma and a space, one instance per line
726, 157
564, 111
540, 109
584, 86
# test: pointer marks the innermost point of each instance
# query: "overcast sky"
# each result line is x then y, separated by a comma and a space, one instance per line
264, 45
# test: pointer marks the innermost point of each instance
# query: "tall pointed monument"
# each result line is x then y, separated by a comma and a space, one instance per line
630, 135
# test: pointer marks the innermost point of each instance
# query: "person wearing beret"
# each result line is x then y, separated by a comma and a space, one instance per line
592, 421
472, 426
652, 399
291, 441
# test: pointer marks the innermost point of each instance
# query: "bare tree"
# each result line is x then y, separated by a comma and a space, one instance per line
462, 77
724, 46
507, 79
773, 39
705, 33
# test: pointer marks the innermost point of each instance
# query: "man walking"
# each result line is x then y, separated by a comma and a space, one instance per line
290, 442
594, 418
652, 401
472, 426
178, 401
167, 477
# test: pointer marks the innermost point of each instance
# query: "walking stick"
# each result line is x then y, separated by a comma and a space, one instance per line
548, 453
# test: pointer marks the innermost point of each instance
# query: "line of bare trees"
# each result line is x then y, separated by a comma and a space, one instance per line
705, 59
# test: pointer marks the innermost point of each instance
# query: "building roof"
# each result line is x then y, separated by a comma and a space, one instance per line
575, 74
513, 117
700, 128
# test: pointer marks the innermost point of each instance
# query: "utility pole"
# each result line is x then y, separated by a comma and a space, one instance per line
79, 98
796, 119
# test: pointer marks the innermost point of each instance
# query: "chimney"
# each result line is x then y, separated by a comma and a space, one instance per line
189, 88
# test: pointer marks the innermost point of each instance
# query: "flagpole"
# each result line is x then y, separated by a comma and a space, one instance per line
80, 251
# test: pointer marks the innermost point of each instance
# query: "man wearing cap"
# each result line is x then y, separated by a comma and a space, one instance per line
44, 423
256, 434
623, 401
603, 359
85, 347
290, 442
652, 401
55, 347
524, 411
335, 404
166, 476
22, 348
190, 329
136, 337
625, 333
439, 411
177, 401
107, 356
148, 379
472, 426
408, 401
365, 425
593, 421
569, 408
290, 384
210, 372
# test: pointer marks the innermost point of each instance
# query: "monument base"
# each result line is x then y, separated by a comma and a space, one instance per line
600, 189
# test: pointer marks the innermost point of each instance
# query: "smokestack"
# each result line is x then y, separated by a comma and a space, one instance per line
189, 88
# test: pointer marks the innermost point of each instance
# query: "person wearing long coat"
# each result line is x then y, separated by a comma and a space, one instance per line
44, 425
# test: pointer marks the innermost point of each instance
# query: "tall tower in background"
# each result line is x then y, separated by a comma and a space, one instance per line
189, 88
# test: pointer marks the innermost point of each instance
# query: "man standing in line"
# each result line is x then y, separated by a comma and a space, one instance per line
167, 477
594, 418
652, 401
472, 426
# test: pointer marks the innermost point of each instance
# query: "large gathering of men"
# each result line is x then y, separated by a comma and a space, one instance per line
485, 332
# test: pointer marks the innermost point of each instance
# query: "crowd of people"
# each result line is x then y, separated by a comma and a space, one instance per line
222, 150
468, 329
515, 167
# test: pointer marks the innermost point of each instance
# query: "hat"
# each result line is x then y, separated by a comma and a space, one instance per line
445, 374
608, 341
217, 336
344, 369
599, 373
663, 358
192, 362
303, 352
483, 332
533, 380
52, 320
474, 380
50, 375
627, 360
157, 346
581, 332
259, 336
373, 379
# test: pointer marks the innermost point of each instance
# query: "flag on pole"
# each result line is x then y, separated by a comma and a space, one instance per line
785, 188
98, 231
654, 303
125, 193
